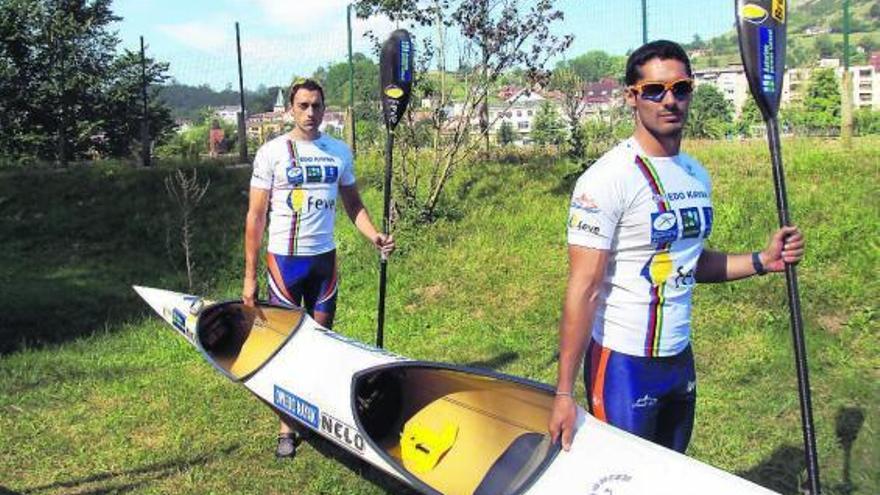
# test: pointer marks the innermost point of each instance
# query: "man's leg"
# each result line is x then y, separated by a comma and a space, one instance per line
286, 279
676, 420
617, 393
321, 289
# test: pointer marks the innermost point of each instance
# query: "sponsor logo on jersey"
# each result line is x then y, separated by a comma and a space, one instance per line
691, 386
707, 220
295, 199
585, 203
609, 484
690, 223
684, 279
347, 436
298, 407
331, 174
754, 13
576, 222
295, 175
659, 268
664, 227
319, 204
313, 173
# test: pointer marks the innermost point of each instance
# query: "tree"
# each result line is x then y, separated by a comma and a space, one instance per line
496, 36
506, 134
573, 89
547, 128
335, 80
710, 113
595, 65
58, 74
822, 101
748, 118
825, 46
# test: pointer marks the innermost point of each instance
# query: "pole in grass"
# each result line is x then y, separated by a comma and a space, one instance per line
761, 28
396, 80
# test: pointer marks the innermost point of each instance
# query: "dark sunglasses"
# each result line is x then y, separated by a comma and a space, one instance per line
656, 91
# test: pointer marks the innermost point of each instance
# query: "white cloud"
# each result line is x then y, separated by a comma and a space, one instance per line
209, 37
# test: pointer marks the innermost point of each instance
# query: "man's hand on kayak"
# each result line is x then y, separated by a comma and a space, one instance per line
562, 420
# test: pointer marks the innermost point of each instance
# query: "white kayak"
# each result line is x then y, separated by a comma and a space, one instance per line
440, 428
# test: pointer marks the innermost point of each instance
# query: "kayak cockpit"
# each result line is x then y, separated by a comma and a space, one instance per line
457, 432
239, 339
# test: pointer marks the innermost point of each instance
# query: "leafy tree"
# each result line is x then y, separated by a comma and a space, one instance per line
506, 134
569, 83
749, 117
822, 101
61, 81
710, 113
875, 11
547, 128
335, 80
825, 46
595, 65
496, 37
866, 122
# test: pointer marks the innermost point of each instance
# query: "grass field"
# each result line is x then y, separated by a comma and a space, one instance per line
97, 396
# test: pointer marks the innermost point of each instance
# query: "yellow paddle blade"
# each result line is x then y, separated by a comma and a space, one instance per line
421, 447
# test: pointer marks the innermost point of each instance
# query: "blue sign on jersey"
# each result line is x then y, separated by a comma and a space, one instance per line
313, 173
331, 173
295, 175
664, 227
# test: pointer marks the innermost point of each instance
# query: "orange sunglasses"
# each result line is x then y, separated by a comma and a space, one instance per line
655, 91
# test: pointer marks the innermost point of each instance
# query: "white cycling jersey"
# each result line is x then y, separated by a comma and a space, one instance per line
652, 214
303, 178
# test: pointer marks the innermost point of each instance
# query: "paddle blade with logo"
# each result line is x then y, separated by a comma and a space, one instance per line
396, 76
761, 28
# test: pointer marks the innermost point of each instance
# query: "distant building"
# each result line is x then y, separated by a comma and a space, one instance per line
730, 80
228, 114
601, 97
874, 61
519, 110
262, 127
865, 84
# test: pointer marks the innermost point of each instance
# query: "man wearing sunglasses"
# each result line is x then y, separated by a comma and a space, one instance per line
296, 180
638, 220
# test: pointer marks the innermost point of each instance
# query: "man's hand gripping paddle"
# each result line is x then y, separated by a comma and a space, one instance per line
761, 28
396, 80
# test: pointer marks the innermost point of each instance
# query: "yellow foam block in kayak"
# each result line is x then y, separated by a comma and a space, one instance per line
421, 447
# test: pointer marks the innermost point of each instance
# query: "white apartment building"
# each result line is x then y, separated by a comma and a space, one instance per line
519, 111
730, 80
865, 84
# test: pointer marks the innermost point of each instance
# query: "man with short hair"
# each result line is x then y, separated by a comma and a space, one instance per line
638, 221
296, 180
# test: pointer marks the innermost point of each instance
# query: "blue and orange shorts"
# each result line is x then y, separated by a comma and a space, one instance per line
309, 282
652, 397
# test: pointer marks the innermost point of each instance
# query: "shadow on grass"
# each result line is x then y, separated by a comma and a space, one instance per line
70, 259
496, 362
848, 423
7, 491
785, 470
377, 477
782, 472
110, 482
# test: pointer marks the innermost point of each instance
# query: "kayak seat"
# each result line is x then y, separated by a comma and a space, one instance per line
515, 465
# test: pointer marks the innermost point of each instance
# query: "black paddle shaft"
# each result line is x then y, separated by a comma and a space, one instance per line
386, 227
794, 307
395, 83
761, 27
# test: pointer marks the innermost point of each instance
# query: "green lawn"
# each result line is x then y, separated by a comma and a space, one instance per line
97, 396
